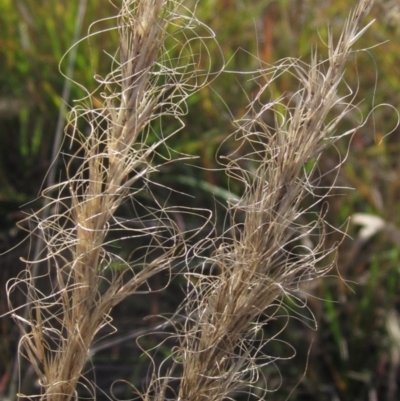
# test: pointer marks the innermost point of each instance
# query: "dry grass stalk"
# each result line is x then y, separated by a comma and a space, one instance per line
266, 259
114, 157
257, 266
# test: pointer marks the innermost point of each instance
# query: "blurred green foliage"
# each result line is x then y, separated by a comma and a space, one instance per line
355, 353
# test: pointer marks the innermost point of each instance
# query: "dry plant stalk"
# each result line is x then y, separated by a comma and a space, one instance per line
225, 311
221, 350
115, 162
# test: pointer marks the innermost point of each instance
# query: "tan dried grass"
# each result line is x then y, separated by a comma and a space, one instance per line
220, 349
256, 263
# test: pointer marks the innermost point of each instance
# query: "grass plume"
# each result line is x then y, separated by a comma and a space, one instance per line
260, 258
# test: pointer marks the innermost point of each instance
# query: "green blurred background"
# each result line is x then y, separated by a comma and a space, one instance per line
355, 353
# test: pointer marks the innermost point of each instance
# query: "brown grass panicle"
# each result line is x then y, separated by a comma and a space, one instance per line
260, 258
113, 161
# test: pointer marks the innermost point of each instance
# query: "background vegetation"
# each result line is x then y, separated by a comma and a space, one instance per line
355, 353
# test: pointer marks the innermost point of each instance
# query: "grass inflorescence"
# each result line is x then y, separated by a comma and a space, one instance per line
118, 144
